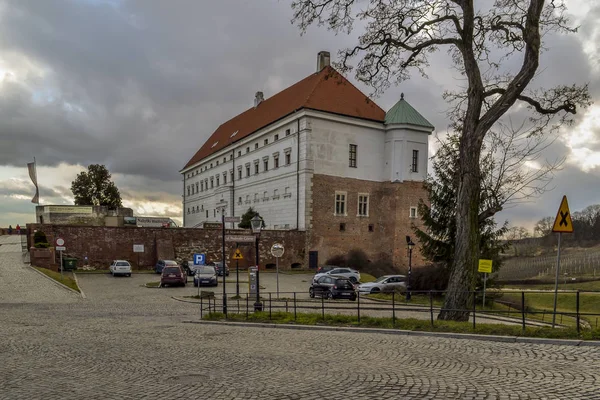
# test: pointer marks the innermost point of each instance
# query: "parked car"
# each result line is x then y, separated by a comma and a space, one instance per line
325, 268
205, 275
173, 275
351, 274
332, 287
219, 268
161, 264
189, 267
387, 283
120, 267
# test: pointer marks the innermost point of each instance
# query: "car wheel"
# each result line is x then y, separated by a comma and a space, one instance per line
353, 279
330, 295
311, 293
375, 290
353, 298
129, 275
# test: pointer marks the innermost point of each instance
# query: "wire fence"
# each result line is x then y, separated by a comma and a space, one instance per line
576, 264
577, 309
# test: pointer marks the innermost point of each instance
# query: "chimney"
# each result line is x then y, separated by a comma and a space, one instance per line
258, 98
323, 59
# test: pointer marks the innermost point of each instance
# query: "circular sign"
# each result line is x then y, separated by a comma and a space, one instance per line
277, 250
60, 241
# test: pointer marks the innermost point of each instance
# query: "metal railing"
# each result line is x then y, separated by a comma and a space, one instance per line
509, 307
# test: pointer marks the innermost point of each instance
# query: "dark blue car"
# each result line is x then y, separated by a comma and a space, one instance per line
161, 264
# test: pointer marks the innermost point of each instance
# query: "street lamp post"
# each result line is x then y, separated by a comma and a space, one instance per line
410, 245
256, 224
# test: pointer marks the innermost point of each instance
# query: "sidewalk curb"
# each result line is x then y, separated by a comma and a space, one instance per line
449, 335
57, 283
77, 283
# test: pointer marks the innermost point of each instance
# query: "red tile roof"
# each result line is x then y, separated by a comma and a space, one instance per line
325, 91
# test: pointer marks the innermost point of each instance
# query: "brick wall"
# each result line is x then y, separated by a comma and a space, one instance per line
389, 207
103, 244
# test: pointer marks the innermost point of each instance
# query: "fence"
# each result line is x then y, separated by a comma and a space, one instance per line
583, 263
508, 307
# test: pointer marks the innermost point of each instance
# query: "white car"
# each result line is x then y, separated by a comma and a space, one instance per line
387, 283
351, 274
120, 267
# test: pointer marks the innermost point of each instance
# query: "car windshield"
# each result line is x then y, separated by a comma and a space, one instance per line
171, 270
122, 264
206, 270
170, 263
378, 280
343, 283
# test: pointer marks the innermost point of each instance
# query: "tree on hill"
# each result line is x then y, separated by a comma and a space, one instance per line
247, 217
95, 188
484, 42
543, 227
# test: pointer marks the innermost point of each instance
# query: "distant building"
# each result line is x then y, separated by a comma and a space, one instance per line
78, 215
320, 157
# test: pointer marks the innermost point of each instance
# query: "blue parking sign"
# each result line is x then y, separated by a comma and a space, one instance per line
199, 259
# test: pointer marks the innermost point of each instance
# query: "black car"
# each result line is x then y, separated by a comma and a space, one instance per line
219, 268
333, 287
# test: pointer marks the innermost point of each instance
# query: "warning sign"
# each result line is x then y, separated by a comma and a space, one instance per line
563, 222
237, 255
485, 266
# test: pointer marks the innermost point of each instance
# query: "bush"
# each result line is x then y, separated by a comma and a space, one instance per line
358, 259
39, 237
430, 277
41, 245
338, 261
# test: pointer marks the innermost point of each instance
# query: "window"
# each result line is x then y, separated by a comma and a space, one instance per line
224, 178
196, 187
247, 149
342, 228
340, 203
255, 197
266, 162
288, 158
255, 146
231, 157
214, 213
211, 165
206, 213
239, 153
247, 199
212, 183
256, 168
287, 193
266, 142
413, 212
276, 161
224, 160
275, 194
265, 195
363, 205
234, 133
192, 189
217, 180
197, 209
188, 190
287, 132
353, 155
188, 210
240, 173
202, 186
240, 200
247, 170
415, 161
206, 183
371, 228
231, 173
193, 210
276, 138
217, 164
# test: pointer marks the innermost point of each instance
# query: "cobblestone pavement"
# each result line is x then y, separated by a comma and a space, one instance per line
121, 344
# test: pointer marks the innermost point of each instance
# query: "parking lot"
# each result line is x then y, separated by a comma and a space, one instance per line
124, 341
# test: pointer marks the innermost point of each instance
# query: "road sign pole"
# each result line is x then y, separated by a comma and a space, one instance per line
224, 268
61, 265
277, 264
484, 284
556, 281
237, 278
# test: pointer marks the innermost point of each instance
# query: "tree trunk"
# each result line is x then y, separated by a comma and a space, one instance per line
459, 296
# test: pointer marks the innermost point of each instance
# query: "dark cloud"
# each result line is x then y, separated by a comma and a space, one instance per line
139, 85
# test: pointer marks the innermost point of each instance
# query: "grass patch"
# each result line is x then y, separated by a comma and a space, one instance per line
105, 271
153, 284
592, 285
366, 278
66, 279
408, 324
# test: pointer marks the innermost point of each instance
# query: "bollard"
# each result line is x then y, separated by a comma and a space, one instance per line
294, 306
270, 306
358, 305
393, 308
523, 308
578, 328
247, 295
200, 307
431, 306
323, 307
474, 304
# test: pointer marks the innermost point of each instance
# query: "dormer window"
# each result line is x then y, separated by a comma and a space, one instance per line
214, 144
233, 134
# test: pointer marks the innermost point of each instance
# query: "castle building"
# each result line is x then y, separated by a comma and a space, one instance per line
319, 157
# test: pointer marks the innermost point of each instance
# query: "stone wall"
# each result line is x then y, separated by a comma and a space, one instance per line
388, 216
101, 245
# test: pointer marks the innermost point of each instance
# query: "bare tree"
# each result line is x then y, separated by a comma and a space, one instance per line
398, 37
543, 227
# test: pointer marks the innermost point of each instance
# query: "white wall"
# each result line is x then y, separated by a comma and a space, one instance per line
330, 144
400, 141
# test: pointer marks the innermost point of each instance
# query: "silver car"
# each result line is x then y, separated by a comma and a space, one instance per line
387, 283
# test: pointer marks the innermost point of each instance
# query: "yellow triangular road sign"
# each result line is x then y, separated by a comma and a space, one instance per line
238, 255
563, 222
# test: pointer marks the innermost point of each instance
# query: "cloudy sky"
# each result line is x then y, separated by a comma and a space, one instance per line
139, 85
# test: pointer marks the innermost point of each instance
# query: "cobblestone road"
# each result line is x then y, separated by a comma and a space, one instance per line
117, 344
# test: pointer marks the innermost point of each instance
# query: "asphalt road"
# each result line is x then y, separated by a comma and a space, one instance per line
128, 342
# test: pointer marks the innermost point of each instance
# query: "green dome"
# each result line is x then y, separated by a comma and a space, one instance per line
404, 113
